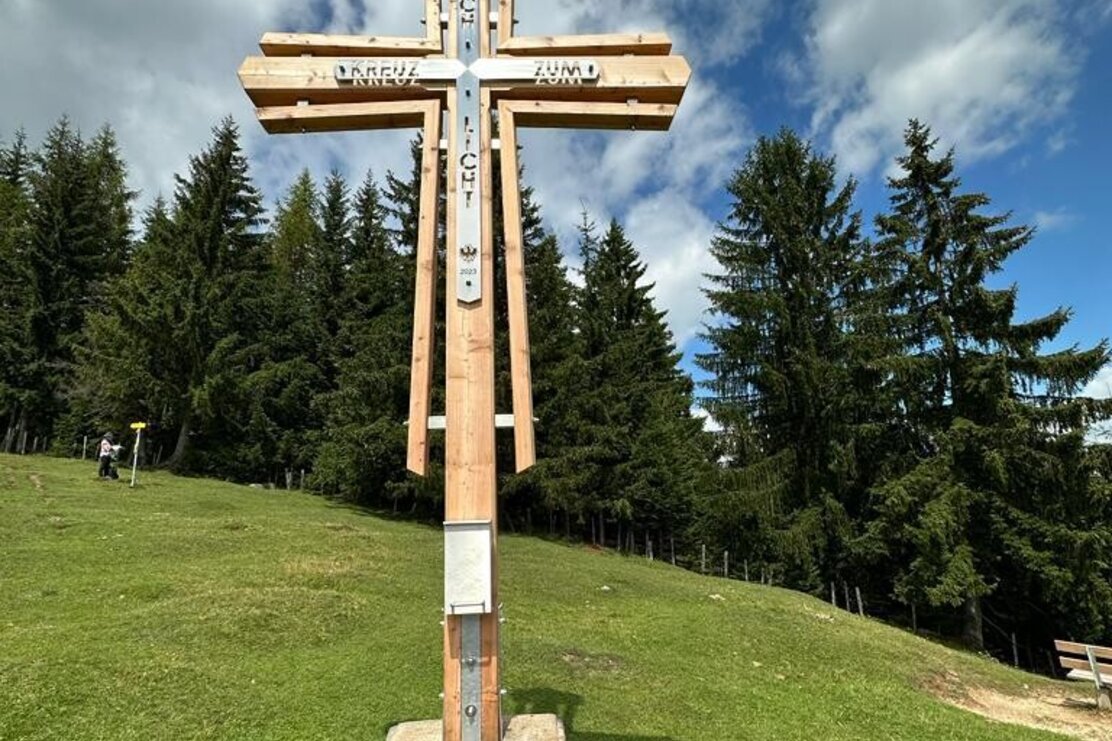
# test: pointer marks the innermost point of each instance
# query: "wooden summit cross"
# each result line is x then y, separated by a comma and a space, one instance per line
468, 68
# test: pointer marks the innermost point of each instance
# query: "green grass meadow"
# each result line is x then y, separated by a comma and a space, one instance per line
191, 609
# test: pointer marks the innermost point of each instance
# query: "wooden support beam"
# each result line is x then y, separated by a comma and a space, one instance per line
516, 299
505, 22
325, 45
424, 304
344, 117
453, 666
552, 114
485, 29
285, 81
433, 32
637, 44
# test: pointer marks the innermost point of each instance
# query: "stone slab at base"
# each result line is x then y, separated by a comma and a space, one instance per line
521, 728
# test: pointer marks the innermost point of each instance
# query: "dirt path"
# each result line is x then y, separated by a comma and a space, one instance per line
1070, 711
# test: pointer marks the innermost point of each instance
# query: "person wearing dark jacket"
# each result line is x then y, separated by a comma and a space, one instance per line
105, 456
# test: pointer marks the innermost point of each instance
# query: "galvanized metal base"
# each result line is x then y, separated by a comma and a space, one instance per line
521, 728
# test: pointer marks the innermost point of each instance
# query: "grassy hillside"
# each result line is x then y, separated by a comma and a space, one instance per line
200, 610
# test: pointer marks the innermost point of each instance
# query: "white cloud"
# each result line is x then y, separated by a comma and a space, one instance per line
1100, 388
982, 73
674, 235
1057, 142
163, 73
710, 424
1049, 221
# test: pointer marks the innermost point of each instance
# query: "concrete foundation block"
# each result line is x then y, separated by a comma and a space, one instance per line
521, 728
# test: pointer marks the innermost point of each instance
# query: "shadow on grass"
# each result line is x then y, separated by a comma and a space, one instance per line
566, 705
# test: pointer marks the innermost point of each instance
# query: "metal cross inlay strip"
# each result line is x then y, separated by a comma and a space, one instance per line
469, 212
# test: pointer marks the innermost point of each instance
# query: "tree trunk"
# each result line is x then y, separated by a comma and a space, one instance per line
182, 446
972, 631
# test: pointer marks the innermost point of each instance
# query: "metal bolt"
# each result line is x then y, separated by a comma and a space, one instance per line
471, 711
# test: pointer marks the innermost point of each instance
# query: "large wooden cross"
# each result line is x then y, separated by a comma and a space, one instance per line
467, 69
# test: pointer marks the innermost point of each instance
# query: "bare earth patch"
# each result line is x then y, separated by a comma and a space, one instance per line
1068, 712
584, 661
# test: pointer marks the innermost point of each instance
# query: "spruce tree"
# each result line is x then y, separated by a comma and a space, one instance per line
362, 457
127, 369
777, 357
215, 271
638, 447
285, 364
16, 293
333, 261
998, 499
62, 265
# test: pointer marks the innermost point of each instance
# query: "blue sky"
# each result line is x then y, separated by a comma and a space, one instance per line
1020, 87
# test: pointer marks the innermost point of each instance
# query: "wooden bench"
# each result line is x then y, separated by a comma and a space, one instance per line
1085, 664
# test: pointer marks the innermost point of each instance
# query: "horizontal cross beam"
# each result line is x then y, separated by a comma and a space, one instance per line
286, 81
554, 114
346, 116
334, 45
322, 45
622, 44
538, 114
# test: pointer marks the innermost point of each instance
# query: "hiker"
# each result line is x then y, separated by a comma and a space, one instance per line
105, 456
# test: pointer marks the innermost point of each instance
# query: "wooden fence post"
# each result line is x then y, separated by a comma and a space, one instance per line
726, 565
860, 604
747, 569
704, 560
845, 593
302, 486
914, 620
833, 595
672, 542
1015, 651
